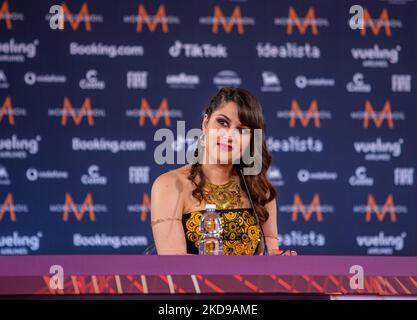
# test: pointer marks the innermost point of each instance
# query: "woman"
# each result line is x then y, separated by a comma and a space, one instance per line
179, 196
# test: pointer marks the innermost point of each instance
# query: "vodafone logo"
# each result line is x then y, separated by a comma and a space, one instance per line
31, 78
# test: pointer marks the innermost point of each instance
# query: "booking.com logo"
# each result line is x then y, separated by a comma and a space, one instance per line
169, 152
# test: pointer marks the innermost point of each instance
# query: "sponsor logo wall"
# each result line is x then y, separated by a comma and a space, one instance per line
79, 107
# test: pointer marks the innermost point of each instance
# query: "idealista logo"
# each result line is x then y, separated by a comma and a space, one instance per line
362, 20
302, 24
315, 207
87, 208
304, 116
228, 23
10, 208
152, 21
9, 16
16, 148
294, 144
379, 150
379, 117
11, 51
381, 243
59, 14
16, 244
154, 115
9, 112
77, 114
195, 50
141, 209
388, 210
299, 239
289, 50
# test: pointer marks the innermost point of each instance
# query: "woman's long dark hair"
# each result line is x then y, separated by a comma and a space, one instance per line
250, 114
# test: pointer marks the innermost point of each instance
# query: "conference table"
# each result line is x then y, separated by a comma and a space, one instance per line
211, 277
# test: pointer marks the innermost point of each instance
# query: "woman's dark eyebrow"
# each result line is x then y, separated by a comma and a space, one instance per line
239, 125
227, 118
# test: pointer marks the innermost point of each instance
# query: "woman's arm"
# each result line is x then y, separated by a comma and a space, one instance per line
271, 232
166, 215
270, 226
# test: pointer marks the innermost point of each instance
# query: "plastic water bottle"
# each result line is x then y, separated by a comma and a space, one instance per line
211, 228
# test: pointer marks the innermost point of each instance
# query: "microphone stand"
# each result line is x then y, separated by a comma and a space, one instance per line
240, 169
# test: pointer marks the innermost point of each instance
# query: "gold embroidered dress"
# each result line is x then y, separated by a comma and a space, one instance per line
241, 234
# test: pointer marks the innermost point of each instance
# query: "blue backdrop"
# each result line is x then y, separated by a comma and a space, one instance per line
80, 106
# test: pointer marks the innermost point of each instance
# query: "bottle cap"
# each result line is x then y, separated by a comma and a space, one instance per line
210, 206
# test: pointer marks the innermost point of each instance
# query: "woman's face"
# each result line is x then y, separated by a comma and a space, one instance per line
226, 139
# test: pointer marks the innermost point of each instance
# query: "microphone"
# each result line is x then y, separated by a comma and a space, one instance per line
239, 168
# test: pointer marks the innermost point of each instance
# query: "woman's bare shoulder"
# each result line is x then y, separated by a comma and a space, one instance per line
176, 177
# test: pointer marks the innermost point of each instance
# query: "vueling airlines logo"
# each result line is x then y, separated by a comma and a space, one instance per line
146, 111
303, 23
85, 110
229, 22
312, 112
376, 25
75, 20
8, 203
152, 21
380, 214
307, 213
7, 110
69, 205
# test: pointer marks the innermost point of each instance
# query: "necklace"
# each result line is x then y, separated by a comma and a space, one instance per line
224, 196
